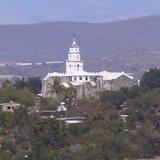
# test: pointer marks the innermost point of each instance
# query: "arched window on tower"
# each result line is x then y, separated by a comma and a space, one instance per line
77, 67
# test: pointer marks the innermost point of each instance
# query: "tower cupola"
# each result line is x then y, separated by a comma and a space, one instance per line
74, 63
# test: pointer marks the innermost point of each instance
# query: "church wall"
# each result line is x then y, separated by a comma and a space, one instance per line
87, 90
107, 85
43, 91
122, 82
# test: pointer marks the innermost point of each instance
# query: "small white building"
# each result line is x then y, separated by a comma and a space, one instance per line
62, 107
9, 107
76, 75
124, 117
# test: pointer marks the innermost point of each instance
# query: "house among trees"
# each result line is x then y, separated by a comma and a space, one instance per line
86, 83
9, 106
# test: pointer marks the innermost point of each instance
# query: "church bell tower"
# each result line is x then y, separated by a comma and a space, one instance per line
74, 63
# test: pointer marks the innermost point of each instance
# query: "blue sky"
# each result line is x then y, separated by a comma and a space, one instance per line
32, 11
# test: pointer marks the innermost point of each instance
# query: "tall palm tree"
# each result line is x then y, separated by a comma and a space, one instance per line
70, 92
55, 88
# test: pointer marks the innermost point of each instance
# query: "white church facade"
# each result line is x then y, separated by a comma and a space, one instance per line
86, 83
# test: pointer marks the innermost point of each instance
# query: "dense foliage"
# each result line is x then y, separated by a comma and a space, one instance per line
22, 96
104, 135
32, 83
151, 79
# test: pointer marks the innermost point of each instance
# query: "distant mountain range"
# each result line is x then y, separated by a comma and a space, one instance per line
131, 45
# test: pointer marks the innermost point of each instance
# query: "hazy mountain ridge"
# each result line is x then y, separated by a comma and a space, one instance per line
132, 45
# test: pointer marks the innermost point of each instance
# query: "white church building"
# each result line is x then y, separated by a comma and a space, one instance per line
86, 83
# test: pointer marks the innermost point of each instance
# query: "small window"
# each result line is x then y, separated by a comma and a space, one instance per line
86, 78
80, 78
75, 78
8, 107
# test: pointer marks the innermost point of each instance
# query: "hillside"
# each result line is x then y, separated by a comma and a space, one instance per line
132, 45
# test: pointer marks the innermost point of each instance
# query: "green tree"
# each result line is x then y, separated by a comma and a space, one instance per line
120, 96
24, 97
32, 83
7, 84
20, 83
150, 100
106, 146
56, 154
151, 79
6, 155
152, 148
47, 134
6, 119
48, 103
